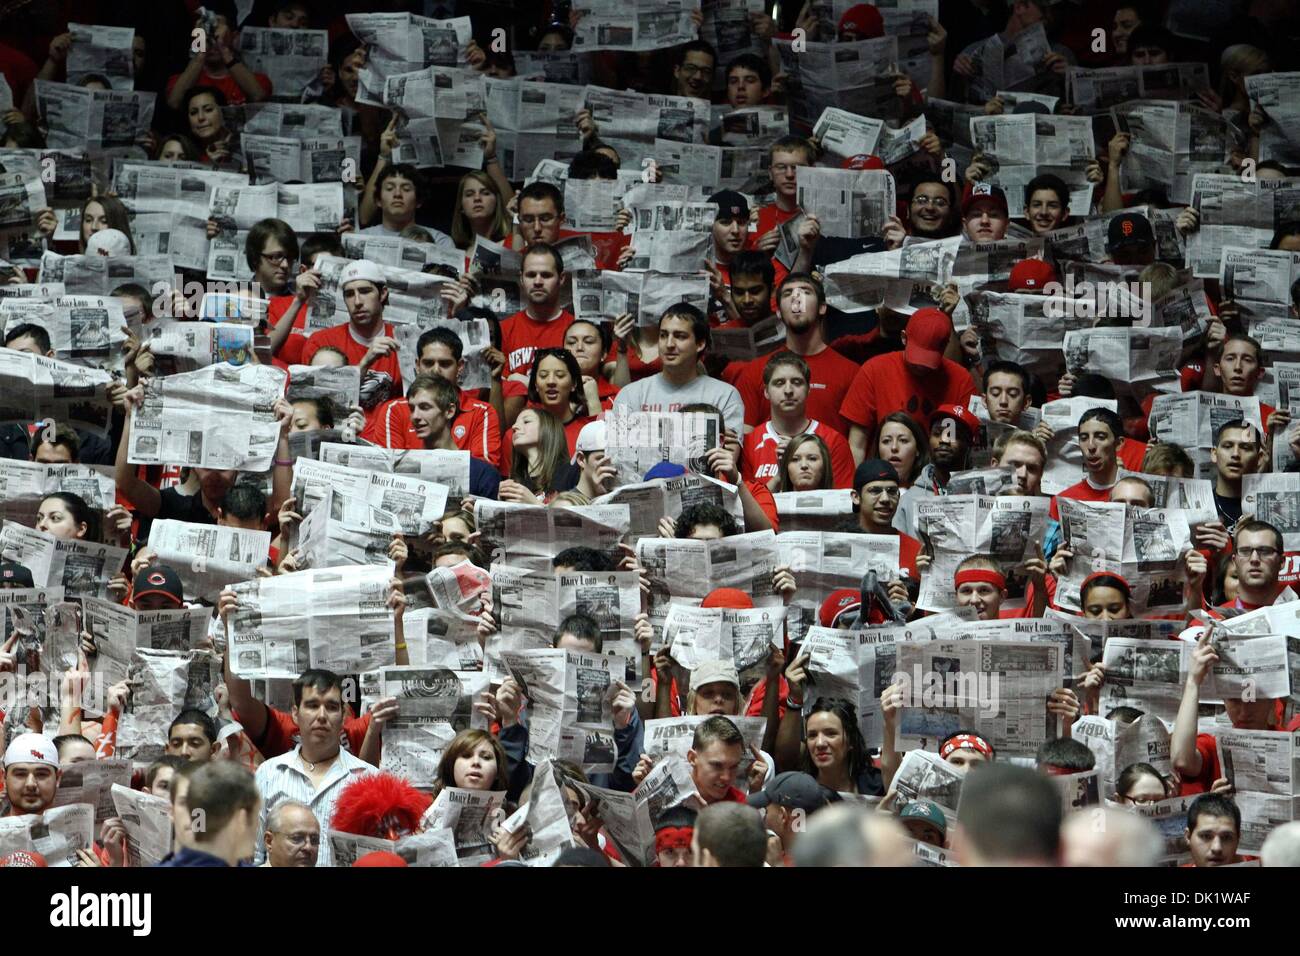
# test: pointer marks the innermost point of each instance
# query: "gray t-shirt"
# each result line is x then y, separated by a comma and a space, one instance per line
657, 394
379, 229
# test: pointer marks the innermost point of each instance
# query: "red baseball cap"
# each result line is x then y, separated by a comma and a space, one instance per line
865, 21
1031, 274
976, 192
23, 858
863, 161
928, 331
727, 597
838, 603
958, 413
380, 858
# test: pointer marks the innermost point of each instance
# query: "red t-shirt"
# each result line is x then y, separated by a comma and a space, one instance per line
341, 338
885, 385
234, 93
477, 429
830, 373
759, 459
1131, 453
1080, 491
522, 335
290, 352
769, 217
1208, 748
278, 737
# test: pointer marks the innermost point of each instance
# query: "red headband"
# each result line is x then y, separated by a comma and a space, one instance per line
966, 742
672, 838
978, 576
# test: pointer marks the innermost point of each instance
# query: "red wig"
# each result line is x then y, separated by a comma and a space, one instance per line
376, 803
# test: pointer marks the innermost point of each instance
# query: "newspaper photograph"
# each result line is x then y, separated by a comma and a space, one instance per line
923, 775
1275, 498
78, 566
118, 630
849, 203
1148, 675
471, 816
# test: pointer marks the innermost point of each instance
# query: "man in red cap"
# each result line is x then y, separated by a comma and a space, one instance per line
1031, 276
984, 212
861, 22
952, 431
916, 380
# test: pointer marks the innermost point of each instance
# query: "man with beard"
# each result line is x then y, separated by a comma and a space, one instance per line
801, 304
31, 777
541, 323
952, 429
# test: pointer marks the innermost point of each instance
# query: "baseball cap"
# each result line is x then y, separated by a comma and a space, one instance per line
731, 205
793, 790
665, 469
865, 20
158, 579
1031, 274
1030, 106
108, 242
958, 413
591, 438
863, 161
874, 469
361, 270
713, 672
927, 811
15, 575
976, 192
23, 858
837, 604
727, 597
1130, 229
32, 748
928, 331
380, 858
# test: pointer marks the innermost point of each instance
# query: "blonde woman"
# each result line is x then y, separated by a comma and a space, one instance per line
479, 211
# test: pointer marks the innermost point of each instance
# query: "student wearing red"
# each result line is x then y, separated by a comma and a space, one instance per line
916, 380
876, 496
1101, 435
801, 303
787, 155
540, 324
785, 381
218, 64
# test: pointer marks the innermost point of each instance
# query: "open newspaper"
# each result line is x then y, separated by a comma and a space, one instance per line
403, 42
648, 501
148, 823
684, 570
530, 535
629, 818
1117, 745
1263, 767
743, 637
826, 509
435, 847
671, 236
824, 561
57, 834
1190, 419
100, 51
1259, 281
857, 77
639, 25
471, 816
1020, 146
102, 119
637, 441
208, 557
442, 466
545, 816
604, 295
1095, 90
1137, 361
92, 275
1235, 213
344, 529
1148, 675
119, 630
78, 566
1277, 95
291, 58
84, 330
433, 706
33, 388
92, 782
846, 202
163, 683
1276, 499
26, 483
1250, 667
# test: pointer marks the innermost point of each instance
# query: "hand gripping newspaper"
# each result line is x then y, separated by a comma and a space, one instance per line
434, 705
91, 275
923, 775
57, 834
148, 823
119, 630
530, 535
529, 606
1276, 499
471, 816
998, 688
671, 236
1007, 529
857, 77
743, 637
35, 388
26, 483
403, 42
1190, 419
1250, 667
648, 501
336, 618
83, 329
1020, 146
1136, 361
92, 782
346, 530
78, 566
534, 121
101, 51
436, 847
640, 25
674, 735
849, 203
1259, 281
856, 665
163, 683
1117, 745
1064, 456
1145, 546
825, 561
630, 818
102, 119
1234, 213
865, 281
545, 816
744, 561
1026, 329
569, 695
828, 510
1263, 767
208, 557
218, 417
637, 441
1149, 675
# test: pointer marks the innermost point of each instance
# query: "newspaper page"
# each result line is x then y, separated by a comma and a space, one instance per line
92, 275
534, 121
637, 441
99, 119
291, 58
1064, 456
530, 535
1184, 307
221, 416
1026, 329
39, 615
403, 42
1234, 213
744, 637
471, 816
317, 160
857, 77
639, 25
1249, 667
57, 834
743, 561
1277, 95
1259, 280
188, 346
1137, 360
84, 330
1019, 146
24, 484
22, 197
1262, 766
671, 236
569, 714
163, 683
956, 690
1275, 498
603, 295
439, 465
434, 704
1117, 745
78, 566
336, 618
863, 282
1096, 90
673, 735
148, 823
630, 817
1191, 418
827, 509
436, 847
36, 388
1148, 675
208, 557
92, 782
101, 52
923, 775
951, 528
1170, 820
546, 818
849, 203
825, 561
118, 630
346, 530
648, 501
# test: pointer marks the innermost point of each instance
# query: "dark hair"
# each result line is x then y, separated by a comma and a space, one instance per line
1105, 581
1005, 367
808, 279
445, 394
175, 761
80, 511
1130, 775
1011, 814
1048, 181
603, 329
581, 626
39, 334
25, 135
1148, 34
541, 191
323, 407
64, 435
699, 323
1065, 753
1092, 385
751, 262
586, 560
705, 513
791, 447
440, 335
695, 46
753, 63
318, 242
1124, 714
543, 249
115, 214
471, 552
553, 449
733, 833
265, 230
63, 740
1248, 339
590, 164
318, 679
406, 171
1213, 805
717, 728
1108, 418
199, 719
788, 144
921, 439
558, 28
859, 758
583, 856
189, 151
570, 362
220, 789
1289, 228
1233, 425
134, 290
245, 501
782, 358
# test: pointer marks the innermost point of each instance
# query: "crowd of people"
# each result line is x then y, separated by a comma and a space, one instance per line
896, 405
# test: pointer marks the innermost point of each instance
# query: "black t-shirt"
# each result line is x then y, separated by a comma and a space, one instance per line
177, 507
1229, 510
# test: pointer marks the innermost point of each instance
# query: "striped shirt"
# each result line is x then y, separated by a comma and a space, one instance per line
285, 778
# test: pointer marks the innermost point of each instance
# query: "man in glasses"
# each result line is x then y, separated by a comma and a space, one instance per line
292, 836
787, 154
271, 250
693, 70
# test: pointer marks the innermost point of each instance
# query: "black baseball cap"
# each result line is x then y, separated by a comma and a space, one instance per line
874, 469
158, 579
731, 205
14, 575
1130, 229
793, 790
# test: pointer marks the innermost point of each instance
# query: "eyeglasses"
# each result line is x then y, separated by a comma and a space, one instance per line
1261, 553
302, 839
879, 492
276, 258
690, 69
939, 203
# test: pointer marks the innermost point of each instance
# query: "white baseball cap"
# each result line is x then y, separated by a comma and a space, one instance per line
361, 270
32, 748
591, 438
108, 242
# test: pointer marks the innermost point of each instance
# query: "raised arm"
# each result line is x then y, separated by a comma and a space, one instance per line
146, 498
